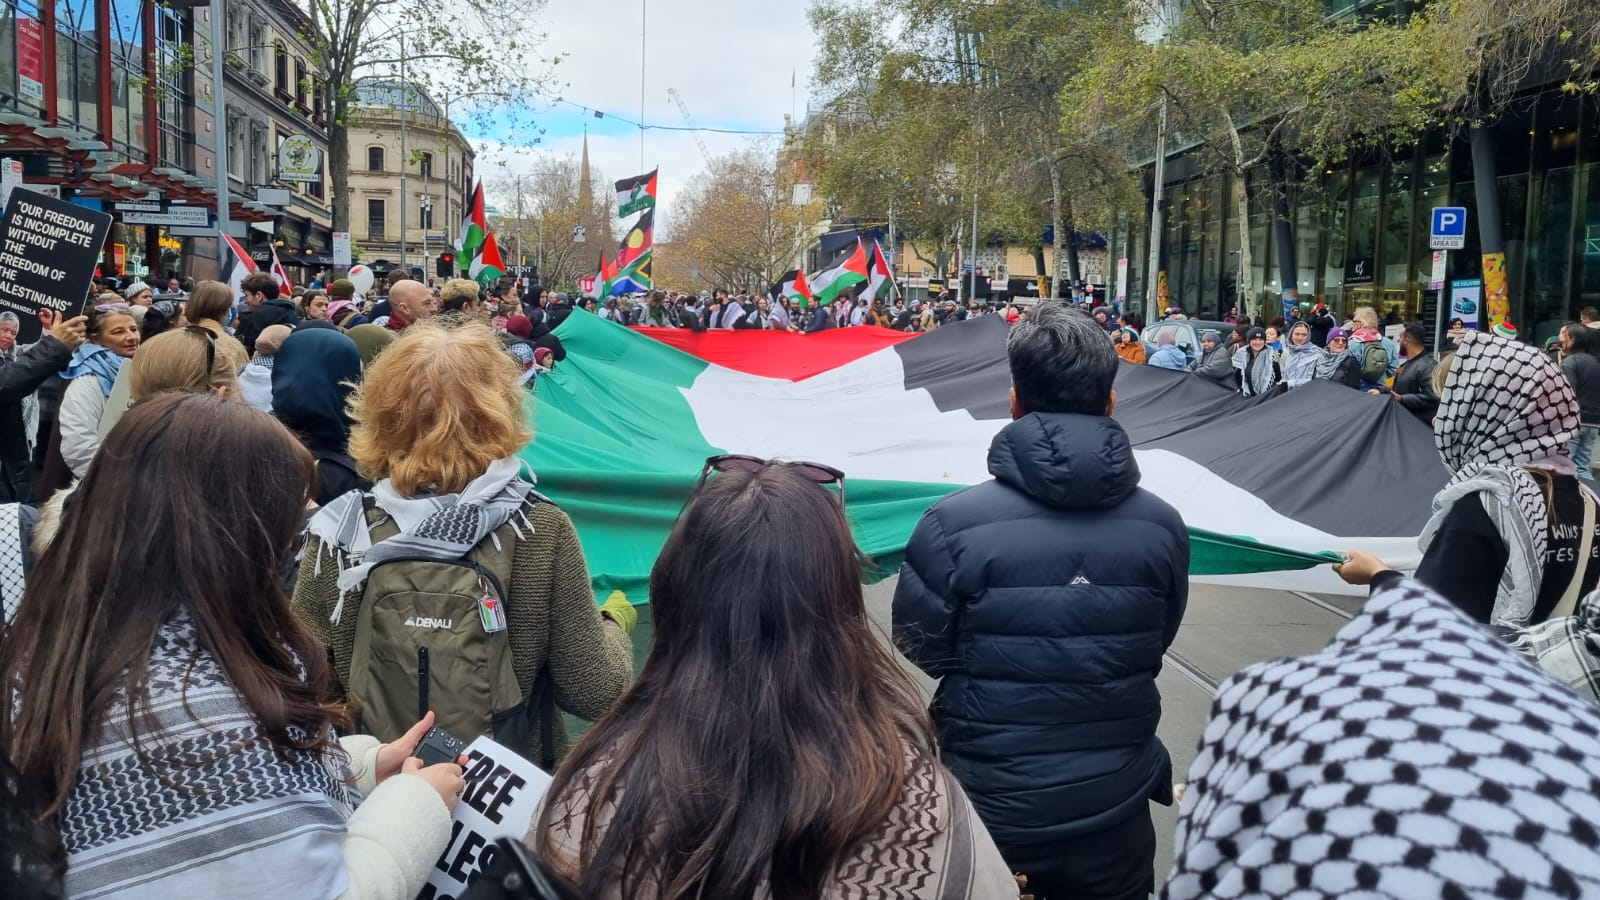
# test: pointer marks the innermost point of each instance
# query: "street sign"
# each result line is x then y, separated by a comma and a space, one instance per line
192, 216
1449, 231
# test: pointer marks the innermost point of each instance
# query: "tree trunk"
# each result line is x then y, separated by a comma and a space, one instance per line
1491, 233
1242, 195
1058, 225
339, 168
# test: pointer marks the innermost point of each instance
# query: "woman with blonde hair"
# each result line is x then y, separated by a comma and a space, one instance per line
437, 423
210, 306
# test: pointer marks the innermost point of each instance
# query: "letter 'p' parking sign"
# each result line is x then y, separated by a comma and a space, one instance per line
1449, 231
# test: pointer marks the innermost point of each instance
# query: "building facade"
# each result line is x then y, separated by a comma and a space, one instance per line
409, 172
277, 134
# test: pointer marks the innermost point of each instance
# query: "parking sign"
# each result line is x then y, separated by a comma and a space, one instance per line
1449, 231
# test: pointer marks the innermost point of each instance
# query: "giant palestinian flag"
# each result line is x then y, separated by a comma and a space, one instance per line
625, 424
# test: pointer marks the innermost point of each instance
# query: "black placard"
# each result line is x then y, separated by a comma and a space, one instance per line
48, 252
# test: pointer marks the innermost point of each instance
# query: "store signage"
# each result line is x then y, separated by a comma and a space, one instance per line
1449, 229
274, 196
299, 159
30, 59
137, 206
48, 252
191, 216
1358, 271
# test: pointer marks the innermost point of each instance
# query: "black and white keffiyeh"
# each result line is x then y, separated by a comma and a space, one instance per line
433, 526
1416, 757
1505, 408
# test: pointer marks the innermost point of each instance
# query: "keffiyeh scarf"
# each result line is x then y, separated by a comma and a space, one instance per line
1300, 363
436, 526
1416, 757
1257, 374
1505, 408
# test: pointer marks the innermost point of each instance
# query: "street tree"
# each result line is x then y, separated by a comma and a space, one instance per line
736, 223
539, 211
456, 51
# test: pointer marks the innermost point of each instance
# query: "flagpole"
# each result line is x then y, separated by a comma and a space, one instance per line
643, 31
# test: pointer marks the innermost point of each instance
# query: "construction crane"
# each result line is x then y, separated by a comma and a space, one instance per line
688, 120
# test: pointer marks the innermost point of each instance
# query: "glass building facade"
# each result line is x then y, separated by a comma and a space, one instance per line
1358, 232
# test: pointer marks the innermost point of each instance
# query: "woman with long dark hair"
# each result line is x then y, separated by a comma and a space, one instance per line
176, 718
771, 746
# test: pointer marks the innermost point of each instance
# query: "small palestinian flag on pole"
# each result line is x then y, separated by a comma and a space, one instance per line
834, 283
285, 286
636, 194
487, 266
792, 286
474, 228
880, 285
236, 266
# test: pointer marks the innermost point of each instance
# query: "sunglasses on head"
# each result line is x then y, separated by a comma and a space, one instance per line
211, 343
817, 473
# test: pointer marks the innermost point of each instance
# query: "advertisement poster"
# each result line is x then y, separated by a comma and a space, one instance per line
1122, 281
1466, 301
30, 60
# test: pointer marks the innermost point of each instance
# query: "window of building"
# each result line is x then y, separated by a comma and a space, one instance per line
375, 220
314, 189
374, 159
316, 99
238, 154
280, 68
18, 90
175, 93
77, 48
258, 45
425, 218
300, 85
427, 165
259, 159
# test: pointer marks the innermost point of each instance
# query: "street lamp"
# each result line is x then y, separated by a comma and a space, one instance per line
426, 205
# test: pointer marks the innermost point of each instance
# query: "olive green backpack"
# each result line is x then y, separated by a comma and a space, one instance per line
432, 635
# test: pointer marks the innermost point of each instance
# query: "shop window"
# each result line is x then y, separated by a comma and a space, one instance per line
77, 77
1549, 251
375, 220
374, 159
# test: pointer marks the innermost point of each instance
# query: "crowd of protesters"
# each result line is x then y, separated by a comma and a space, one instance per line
230, 489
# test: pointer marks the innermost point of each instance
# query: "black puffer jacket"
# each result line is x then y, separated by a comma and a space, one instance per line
1044, 600
252, 322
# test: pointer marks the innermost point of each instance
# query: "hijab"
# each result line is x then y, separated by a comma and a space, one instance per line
1416, 756
1300, 361
313, 374
1505, 408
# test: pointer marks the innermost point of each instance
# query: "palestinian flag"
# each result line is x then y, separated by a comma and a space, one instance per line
236, 266
834, 283
636, 194
474, 228
487, 266
880, 281
285, 286
793, 286
625, 425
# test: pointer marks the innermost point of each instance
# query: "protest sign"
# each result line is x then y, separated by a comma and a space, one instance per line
48, 251
503, 793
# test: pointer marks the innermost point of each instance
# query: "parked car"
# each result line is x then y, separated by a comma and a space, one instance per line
1186, 333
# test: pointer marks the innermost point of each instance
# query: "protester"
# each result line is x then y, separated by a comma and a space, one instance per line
113, 338
21, 374
1129, 347
537, 334
210, 306
1300, 356
1216, 363
255, 379
409, 301
1064, 786
371, 340
343, 311
1336, 364
1322, 322
1275, 338
1501, 545
438, 420
1168, 355
1257, 365
137, 293
1453, 336
812, 757
1413, 384
263, 307
183, 361
458, 299
1378, 356
312, 378
1580, 346
314, 306
1415, 756
161, 316
163, 696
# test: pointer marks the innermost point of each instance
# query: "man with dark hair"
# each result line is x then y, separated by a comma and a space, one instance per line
1589, 316
1046, 646
263, 307
1413, 384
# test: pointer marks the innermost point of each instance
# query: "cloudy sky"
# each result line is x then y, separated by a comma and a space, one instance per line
731, 60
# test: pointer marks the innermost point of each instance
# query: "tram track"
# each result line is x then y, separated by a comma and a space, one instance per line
1211, 681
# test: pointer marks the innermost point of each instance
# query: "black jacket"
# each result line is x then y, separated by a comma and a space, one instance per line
19, 378
1413, 387
1046, 644
1583, 372
542, 336
273, 312
1320, 326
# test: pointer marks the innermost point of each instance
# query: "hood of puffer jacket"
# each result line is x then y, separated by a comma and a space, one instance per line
312, 377
1066, 460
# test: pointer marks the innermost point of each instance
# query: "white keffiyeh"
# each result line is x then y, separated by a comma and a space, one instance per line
1505, 408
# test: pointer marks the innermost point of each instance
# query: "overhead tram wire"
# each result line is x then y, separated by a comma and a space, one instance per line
602, 114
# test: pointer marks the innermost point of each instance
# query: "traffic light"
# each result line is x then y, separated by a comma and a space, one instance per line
447, 265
